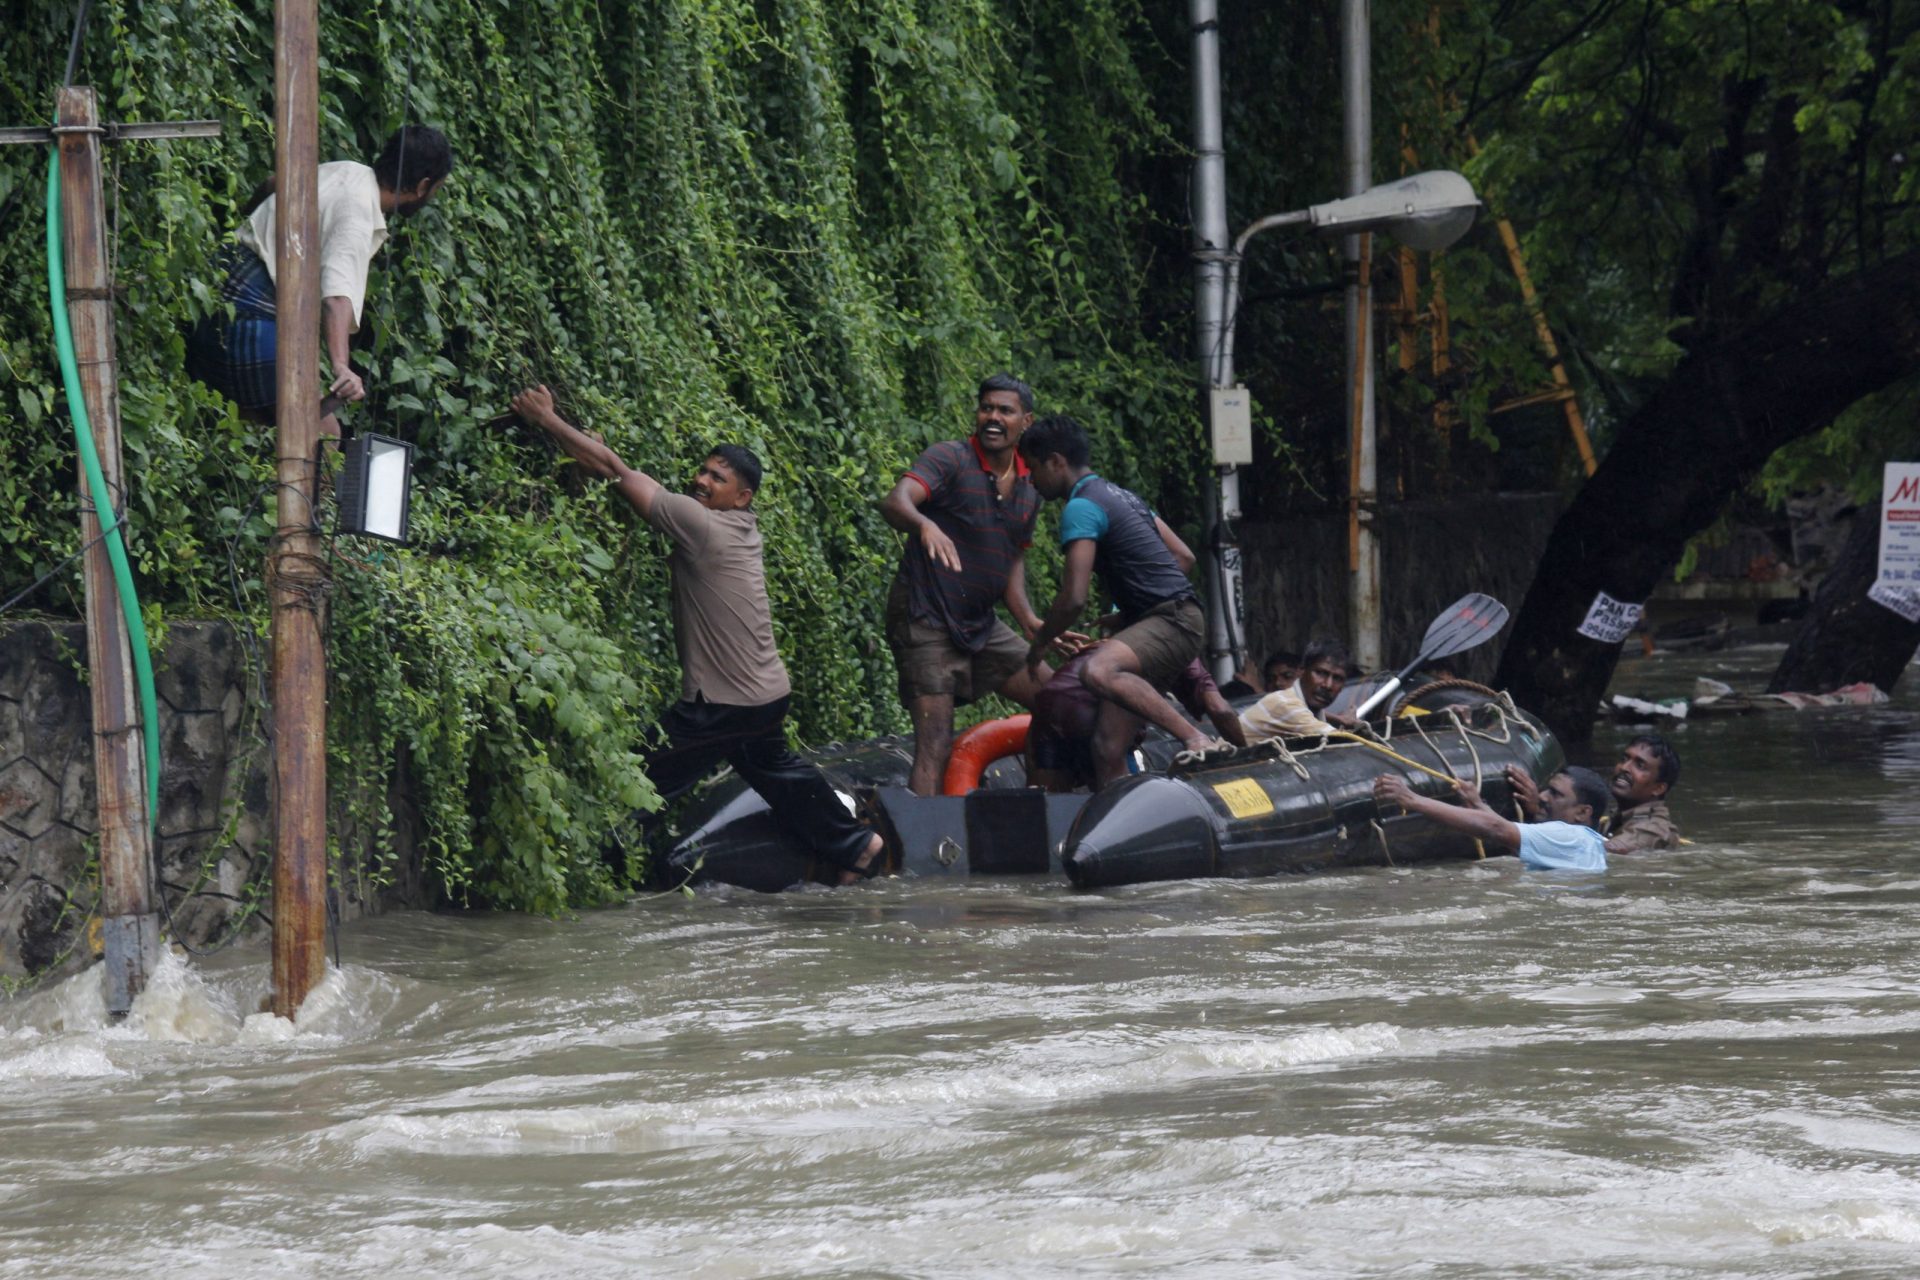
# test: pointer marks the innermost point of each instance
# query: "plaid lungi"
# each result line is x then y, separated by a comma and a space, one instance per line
236, 356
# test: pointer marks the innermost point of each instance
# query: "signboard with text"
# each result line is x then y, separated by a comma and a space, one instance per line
1897, 587
1900, 526
1904, 601
1608, 620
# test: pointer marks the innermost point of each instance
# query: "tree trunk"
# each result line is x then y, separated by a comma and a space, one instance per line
1846, 637
1721, 414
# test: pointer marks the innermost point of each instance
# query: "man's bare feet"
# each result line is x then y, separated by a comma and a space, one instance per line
871, 863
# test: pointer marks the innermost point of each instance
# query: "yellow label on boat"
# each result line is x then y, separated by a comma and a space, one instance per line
1244, 797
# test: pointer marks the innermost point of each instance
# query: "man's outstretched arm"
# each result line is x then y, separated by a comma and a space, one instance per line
535, 404
1474, 818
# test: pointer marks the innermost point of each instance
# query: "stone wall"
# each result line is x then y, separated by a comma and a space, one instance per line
1432, 552
214, 830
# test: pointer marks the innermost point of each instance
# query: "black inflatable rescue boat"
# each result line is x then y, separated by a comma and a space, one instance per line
1297, 805
1307, 804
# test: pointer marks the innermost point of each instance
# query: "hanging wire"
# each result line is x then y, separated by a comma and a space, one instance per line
73, 46
378, 395
54, 572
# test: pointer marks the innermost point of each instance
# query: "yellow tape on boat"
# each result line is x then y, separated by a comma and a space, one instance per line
1244, 798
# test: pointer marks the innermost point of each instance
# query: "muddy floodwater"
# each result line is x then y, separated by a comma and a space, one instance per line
1703, 1064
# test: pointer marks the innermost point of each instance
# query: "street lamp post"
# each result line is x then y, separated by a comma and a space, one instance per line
1426, 211
1225, 647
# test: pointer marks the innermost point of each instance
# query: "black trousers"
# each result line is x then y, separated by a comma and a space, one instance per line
696, 736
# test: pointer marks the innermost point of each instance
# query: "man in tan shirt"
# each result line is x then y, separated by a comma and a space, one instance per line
1648, 768
733, 686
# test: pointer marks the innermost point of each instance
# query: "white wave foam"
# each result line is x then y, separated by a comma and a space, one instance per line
75, 1004
1818, 888
1438, 917
1851, 1132
179, 1006
1582, 994
1899, 1224
66, 1059
1059, 1069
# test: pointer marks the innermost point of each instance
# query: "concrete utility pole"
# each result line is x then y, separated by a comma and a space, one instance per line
1356, 84
298, 580
130, 932
1213, 341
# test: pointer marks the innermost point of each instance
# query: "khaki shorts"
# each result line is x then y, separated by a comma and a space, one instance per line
1166, 638
931, 664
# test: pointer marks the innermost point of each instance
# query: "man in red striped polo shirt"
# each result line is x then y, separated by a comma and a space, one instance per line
968, 510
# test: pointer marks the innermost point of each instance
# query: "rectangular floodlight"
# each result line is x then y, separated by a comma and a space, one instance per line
376, 487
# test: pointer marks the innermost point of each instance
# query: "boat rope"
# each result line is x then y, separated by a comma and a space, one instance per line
1466, 737
1387, 751
1292, 759
1419, 727
1381, 832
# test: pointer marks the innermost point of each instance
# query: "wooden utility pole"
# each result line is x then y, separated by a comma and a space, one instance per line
130, 932
297, 569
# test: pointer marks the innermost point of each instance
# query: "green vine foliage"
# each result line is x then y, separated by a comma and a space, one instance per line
809, 227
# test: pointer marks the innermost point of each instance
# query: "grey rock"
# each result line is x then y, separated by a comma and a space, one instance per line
29, 799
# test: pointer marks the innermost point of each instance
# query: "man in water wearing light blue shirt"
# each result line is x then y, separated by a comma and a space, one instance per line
1567, 838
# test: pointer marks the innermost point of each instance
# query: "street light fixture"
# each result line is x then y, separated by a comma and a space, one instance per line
1426, 211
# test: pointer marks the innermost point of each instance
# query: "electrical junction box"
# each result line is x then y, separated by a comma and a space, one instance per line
1230, 412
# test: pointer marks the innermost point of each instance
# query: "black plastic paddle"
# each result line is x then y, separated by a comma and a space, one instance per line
1469, 621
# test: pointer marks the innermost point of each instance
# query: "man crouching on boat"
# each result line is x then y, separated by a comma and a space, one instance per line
1567, 837
1143, 564
1066, 718
1294, 710
733, 688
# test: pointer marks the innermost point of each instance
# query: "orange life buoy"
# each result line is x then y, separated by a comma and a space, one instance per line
979, 747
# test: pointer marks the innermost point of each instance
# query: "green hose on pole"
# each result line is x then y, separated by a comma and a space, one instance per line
97, 485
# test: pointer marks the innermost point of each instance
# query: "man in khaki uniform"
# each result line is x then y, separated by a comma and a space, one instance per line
733, 688
1647, 771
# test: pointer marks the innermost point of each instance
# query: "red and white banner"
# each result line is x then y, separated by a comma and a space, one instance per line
1898, 585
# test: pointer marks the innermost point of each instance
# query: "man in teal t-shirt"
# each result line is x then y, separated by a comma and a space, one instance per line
1108, 530
1567, 838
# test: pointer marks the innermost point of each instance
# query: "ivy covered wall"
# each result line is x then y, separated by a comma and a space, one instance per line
807, 226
